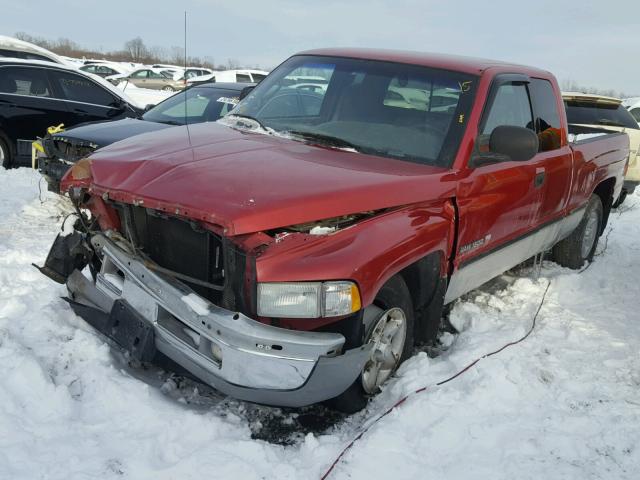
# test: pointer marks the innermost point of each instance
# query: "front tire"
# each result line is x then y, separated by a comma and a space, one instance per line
392, 334
580, 246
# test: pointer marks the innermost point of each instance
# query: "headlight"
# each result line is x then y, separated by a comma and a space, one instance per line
307, 299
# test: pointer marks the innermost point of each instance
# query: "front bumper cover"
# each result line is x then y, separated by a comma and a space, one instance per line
146, 312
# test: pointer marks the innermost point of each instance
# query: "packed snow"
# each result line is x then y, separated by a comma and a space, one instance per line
563, 404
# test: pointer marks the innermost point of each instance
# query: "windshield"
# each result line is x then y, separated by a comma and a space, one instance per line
195, 105
382, 108
592, 113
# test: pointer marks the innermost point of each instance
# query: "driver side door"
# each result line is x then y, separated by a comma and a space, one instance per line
498, 201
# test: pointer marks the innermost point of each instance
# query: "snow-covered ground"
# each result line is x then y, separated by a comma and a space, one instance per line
564, 404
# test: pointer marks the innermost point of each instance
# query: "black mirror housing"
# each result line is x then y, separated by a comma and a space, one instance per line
517, 143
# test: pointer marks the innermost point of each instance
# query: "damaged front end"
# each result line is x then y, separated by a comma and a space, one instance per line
160, 285
59, 153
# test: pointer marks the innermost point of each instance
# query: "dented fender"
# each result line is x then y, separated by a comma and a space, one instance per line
369, 252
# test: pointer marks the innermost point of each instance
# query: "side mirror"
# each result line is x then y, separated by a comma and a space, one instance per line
148, 107
517, 143
246, 91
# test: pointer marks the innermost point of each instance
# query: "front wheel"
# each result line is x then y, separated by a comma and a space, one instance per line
580, 246
391, 334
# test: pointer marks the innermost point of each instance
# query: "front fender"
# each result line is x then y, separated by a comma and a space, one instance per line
368, 253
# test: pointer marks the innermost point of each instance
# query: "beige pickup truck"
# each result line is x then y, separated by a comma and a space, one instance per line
589, 111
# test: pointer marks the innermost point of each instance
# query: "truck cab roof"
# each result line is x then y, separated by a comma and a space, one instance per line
434, 60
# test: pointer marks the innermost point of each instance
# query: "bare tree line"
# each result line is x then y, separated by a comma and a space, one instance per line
134, 50
570, 85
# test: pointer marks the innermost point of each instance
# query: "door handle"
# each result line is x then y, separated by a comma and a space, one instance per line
538, 181
80, 112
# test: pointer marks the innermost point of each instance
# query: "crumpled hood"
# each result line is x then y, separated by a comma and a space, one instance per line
108, 132
248, 182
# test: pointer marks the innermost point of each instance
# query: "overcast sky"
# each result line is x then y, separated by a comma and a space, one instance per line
595, 43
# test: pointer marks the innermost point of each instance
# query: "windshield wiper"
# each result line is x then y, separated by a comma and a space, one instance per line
249, 117
325, 139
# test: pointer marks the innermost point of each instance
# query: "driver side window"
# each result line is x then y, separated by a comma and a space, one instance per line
510, 106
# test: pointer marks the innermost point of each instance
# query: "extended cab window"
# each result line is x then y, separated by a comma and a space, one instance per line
546, 114
80, 89
25, 81
510, 107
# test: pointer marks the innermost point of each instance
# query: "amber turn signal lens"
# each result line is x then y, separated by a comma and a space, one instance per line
81, 170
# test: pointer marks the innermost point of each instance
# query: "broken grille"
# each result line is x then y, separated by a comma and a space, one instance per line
178, 245
62, 148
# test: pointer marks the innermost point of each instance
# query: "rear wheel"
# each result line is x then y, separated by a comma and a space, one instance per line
391, 334
168, 89
5, 154
580, 246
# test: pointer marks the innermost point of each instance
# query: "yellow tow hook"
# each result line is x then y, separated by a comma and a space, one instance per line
36, 146
55, 129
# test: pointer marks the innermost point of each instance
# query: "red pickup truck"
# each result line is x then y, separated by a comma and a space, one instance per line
296, 251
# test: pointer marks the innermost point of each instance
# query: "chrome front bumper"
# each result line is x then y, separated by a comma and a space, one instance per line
231, 352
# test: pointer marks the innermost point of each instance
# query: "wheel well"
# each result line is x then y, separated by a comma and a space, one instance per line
427, 288
605, 191
421, 277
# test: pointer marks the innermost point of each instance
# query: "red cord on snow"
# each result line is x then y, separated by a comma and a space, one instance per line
447, 380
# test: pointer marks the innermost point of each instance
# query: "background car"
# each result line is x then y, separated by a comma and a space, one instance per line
190, 72
104, 69
239, 76
35, 95
201, 103
149, 78
590, 110
634, 110
14, 48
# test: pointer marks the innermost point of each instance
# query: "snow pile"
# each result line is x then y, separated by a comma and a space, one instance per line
563, 404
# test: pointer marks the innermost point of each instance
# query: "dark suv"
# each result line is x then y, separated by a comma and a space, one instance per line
35, 95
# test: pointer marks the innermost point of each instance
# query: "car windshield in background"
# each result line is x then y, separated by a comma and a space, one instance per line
382, 108
195, 105
605, 114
